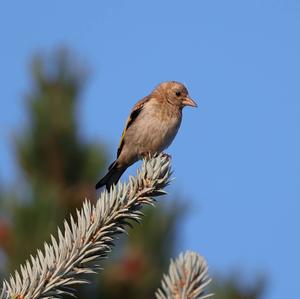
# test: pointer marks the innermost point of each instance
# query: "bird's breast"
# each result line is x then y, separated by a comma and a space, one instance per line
155, 131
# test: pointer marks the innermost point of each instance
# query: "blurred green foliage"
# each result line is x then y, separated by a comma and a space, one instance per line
59, 167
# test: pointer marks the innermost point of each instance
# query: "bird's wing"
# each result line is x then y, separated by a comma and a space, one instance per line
131, 119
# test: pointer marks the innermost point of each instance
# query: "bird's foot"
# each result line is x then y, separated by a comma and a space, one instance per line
166, 155
148, 155
145, 155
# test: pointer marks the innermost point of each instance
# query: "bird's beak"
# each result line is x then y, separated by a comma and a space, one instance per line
189, 102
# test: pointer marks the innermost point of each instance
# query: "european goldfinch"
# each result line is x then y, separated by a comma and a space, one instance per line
151, 127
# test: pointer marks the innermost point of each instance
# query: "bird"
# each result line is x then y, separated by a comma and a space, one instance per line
150, 128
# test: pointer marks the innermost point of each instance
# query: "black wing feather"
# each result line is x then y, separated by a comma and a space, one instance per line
133, 116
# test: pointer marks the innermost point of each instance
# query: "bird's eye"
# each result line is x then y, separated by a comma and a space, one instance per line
178, 93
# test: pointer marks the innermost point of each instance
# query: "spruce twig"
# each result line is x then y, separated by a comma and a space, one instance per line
187, 278
67, 259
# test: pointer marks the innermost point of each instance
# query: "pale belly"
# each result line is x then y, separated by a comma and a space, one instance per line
153, 137
150, 136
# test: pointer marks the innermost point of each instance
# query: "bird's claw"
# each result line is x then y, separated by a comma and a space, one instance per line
165, 155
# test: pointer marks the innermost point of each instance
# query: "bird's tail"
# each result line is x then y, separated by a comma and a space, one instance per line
112, 177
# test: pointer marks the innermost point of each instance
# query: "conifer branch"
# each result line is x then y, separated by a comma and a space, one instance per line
187, 278
67, 259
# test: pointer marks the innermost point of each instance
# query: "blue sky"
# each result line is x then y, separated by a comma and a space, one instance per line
236, 158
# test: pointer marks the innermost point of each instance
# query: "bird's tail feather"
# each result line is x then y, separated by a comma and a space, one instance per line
112, 177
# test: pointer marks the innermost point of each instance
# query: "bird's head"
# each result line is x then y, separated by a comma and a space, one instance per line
175, 93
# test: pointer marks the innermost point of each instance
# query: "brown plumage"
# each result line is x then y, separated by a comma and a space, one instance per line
150, 128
